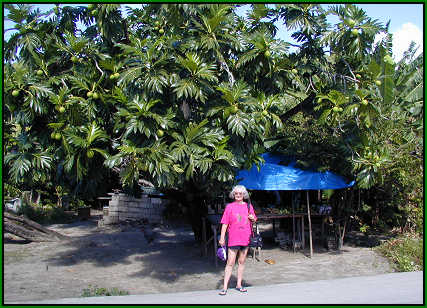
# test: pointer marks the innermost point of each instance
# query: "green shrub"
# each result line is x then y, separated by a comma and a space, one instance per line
77, 203
48, 214
95, 291
57, 215
405, 252
11, 191
34, 213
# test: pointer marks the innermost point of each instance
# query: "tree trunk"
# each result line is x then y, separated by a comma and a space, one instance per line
195, 213
28, 229
344, 217
26, 197
39, 195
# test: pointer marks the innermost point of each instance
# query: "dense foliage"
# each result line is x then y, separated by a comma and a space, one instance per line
405, 251
183, 95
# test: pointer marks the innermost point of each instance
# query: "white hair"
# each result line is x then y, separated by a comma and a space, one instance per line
239, 188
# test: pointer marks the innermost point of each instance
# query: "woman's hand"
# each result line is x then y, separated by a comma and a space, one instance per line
221, 242
251, 217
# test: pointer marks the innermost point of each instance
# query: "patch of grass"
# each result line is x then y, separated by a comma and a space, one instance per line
95, 291
405, 252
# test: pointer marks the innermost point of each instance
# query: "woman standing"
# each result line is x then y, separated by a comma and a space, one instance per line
237, 220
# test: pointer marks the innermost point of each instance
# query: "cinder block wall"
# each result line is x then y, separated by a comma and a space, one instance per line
124, 207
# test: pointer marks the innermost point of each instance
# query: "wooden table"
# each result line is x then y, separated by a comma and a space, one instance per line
274, 217
205, 241
322, 218
300, 226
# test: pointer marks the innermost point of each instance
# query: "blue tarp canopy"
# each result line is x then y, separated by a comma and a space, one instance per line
273, 176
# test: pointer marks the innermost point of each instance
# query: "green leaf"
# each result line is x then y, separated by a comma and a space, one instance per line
374, 69
271, 143
114, 160
238, 125
365, 178
177, 168
42, 160
324, 116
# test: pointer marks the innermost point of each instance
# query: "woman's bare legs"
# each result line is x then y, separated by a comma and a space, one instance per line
229, 266
241, 268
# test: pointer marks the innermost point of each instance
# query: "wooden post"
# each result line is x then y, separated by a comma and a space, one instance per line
302, 232
323, 217
274, 227
215, 240
293, 223
204, 244
309, 226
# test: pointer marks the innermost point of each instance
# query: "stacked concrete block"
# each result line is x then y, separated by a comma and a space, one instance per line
123, 207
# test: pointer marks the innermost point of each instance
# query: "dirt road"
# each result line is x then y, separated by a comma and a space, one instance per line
112, 257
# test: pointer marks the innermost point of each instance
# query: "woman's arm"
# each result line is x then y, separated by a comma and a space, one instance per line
222, 237
252, 215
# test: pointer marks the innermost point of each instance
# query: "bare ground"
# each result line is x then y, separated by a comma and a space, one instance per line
120, 257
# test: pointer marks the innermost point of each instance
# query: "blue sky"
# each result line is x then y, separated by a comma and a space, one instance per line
406, 23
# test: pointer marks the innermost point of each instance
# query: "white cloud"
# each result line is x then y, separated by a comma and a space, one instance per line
379, 37
402, 38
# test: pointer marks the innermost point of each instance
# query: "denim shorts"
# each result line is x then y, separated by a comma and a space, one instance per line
238, 247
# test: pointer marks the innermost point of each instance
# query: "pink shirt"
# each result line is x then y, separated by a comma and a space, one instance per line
239, 226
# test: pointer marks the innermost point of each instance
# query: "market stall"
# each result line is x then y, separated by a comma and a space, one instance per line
273, 175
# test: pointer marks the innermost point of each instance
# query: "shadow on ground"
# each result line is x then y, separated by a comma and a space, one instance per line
172, 254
